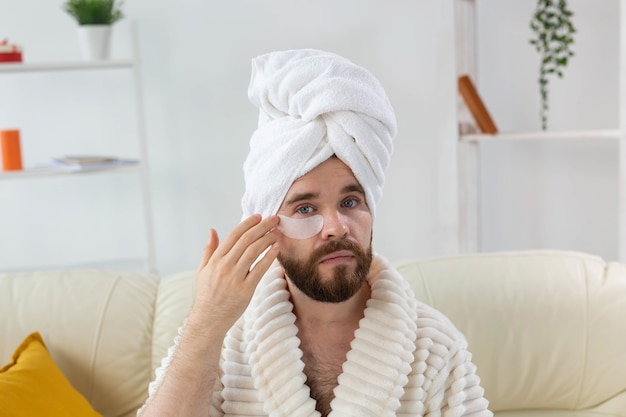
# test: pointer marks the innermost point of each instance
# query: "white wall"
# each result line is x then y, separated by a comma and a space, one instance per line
196, 65
550, 194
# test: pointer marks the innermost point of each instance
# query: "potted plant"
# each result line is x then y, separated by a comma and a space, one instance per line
95, 18
553, 38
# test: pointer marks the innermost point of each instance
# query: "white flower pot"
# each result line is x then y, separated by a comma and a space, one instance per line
95, 41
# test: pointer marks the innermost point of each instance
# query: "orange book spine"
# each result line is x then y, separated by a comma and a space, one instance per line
476, 106
11, 150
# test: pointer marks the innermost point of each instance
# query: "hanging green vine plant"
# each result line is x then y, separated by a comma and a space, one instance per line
554, 30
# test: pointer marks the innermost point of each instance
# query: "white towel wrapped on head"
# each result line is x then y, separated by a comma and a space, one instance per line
313, 104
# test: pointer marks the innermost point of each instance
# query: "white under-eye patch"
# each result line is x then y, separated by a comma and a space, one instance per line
300, 228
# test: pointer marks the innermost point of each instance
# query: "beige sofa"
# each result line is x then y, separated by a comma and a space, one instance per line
547, 329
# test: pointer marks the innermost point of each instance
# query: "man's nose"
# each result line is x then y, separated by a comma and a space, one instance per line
335, 226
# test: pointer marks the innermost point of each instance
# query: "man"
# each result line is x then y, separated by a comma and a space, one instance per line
294, 315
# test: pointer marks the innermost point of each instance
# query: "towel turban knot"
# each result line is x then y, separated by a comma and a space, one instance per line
313, 105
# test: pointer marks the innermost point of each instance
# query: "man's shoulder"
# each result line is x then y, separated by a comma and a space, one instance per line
431, 323
434, 325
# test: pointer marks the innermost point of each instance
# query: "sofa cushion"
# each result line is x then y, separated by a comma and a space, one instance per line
32, 385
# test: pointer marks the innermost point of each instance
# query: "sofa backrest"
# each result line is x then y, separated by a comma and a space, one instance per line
547, 329
106, 330
174, 301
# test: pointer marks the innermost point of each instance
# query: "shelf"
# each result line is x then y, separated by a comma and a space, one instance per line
38, 174
53, 171
19, 67
479, 195
557, 135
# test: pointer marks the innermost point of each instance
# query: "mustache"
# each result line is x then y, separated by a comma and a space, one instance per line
334, 246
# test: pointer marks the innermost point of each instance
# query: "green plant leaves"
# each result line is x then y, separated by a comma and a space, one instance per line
553, 30
94, 12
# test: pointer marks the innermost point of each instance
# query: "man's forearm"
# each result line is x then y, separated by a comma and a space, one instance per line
187, 386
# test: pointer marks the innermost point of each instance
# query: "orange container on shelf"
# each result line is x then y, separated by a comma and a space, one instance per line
11, 150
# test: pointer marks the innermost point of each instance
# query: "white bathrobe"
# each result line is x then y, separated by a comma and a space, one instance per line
406, 359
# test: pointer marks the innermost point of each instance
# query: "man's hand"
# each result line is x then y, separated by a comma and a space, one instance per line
226, 276
225, 284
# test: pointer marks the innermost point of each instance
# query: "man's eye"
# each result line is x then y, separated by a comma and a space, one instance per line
352, 202
304, 210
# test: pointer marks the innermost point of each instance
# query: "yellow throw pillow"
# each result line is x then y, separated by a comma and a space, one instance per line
32, 385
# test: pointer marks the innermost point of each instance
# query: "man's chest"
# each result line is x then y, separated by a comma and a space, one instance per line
322, 371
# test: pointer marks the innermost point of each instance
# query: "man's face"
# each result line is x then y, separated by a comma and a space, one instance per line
332, 265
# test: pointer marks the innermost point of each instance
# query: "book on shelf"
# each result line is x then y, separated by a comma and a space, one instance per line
90, 163
476, 106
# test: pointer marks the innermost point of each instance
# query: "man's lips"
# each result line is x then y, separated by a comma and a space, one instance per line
337, 257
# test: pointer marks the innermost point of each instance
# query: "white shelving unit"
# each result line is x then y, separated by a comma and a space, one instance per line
51, 171
65, 66
560, 135
140, 168
469, 163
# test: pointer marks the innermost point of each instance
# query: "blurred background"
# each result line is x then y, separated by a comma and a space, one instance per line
194, 66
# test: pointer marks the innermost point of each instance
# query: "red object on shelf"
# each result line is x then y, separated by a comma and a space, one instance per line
11, 57
10, 53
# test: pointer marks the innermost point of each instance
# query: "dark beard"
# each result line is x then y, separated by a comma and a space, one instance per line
342, 285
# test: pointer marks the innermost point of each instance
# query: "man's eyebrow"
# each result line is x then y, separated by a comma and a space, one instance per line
353, 188
296, 198
301, 197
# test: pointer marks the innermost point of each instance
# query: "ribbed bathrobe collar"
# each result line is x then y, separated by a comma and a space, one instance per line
377, 364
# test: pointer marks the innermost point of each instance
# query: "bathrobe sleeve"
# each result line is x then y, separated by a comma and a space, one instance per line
443, 380
459, 393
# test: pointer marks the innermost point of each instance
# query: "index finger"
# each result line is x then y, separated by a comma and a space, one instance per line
246, 232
